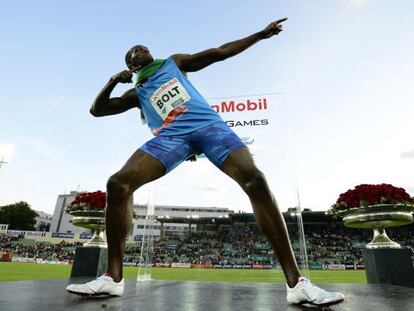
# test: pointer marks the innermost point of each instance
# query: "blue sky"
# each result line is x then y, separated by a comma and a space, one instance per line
345, 69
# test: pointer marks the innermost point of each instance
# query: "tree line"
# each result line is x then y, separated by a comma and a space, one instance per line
19, 216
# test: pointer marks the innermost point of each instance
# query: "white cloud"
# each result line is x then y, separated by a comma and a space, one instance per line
408, 155
353, 4
45, 150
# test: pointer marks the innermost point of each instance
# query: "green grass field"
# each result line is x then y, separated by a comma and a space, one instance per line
14, 271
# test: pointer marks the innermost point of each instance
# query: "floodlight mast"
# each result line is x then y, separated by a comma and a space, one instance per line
2, 162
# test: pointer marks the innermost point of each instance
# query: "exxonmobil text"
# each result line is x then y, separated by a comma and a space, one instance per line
232, 106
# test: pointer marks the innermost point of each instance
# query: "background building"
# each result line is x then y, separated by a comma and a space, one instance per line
62, 222
144, 225
43, 221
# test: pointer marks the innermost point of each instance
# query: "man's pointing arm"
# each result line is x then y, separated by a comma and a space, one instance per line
197, 61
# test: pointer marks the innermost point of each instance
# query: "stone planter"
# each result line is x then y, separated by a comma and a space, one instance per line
94, 221
378, 217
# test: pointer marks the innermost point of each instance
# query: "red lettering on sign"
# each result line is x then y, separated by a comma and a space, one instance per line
225, 108
249, 105
240, 107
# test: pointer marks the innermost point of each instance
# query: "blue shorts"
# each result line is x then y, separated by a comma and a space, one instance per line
216, 141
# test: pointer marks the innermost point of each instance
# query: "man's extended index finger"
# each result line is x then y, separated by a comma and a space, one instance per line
281, 20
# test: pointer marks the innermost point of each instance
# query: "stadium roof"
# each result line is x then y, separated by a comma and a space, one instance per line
248, 218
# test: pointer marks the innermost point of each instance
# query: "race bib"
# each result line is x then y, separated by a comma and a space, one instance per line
169, 96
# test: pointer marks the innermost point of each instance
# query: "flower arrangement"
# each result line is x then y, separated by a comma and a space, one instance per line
368, 195
87, 202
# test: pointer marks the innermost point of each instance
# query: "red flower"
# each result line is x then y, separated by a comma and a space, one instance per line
88, 201
365, 194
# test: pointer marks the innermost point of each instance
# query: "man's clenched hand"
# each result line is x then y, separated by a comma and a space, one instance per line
123, 77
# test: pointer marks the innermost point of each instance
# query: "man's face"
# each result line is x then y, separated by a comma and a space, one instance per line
140, 57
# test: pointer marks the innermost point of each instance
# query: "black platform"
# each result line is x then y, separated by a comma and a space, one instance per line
390, 265
195, 296
89, 262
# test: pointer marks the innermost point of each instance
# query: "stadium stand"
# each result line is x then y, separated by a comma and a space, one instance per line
327, 243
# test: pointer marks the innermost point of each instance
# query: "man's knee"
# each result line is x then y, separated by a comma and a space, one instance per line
256, 184
118, 187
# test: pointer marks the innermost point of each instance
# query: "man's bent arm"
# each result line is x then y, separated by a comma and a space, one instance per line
104, 105
195, 62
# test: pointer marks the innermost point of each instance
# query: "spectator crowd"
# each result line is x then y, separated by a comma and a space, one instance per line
236, 245
19, 247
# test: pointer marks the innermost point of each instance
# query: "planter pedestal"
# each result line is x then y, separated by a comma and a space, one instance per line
393, 266
89, 262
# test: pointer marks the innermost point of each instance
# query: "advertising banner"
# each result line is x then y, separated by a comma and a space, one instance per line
15, 233
65, 235
262, 123
86, 235
334, 267
180, 265
35, 234
201, 266
6, 256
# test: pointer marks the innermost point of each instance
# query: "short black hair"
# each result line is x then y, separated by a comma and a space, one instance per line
130, 51
128, 54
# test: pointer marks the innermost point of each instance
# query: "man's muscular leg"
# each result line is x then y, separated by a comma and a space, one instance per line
240, 166
140, 169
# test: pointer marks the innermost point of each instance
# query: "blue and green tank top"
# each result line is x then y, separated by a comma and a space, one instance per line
171, 104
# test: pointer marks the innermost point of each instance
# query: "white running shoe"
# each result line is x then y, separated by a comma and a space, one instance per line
103, 285
306, 293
